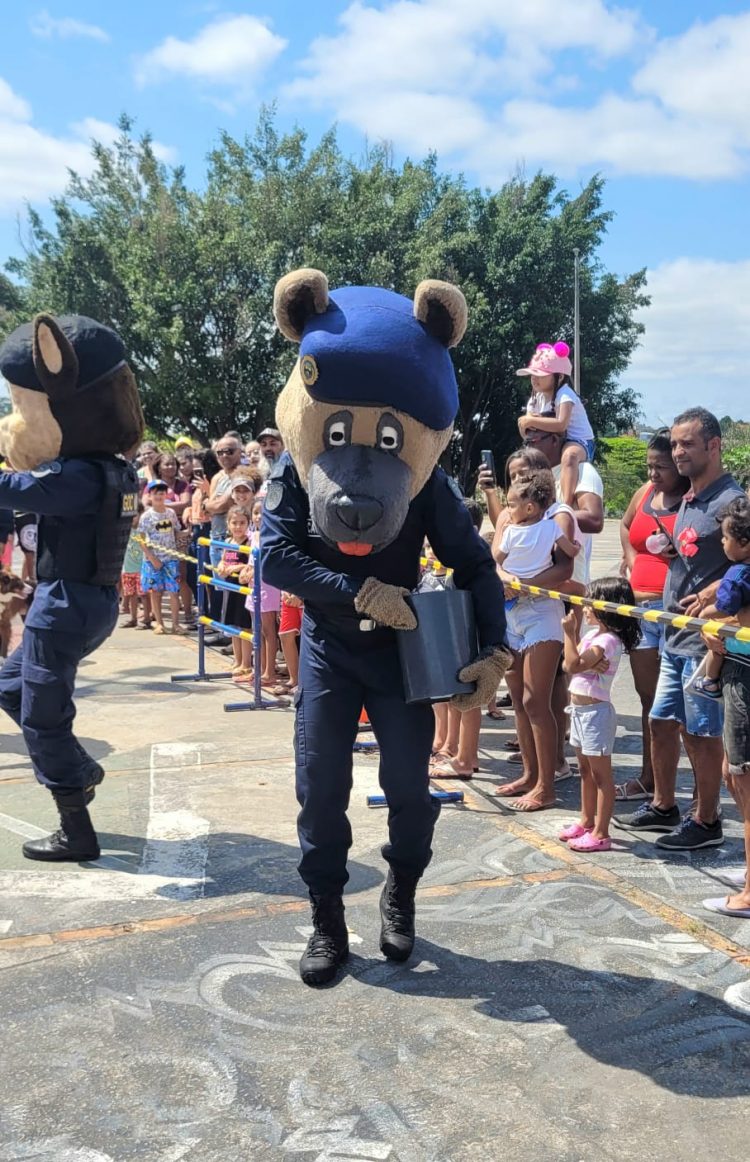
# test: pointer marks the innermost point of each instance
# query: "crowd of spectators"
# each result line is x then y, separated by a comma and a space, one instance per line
685, 549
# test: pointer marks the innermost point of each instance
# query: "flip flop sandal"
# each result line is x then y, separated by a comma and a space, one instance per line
515, 756
563, 774
526, 806
720, 905
496, 715
622, 796
446, 771
504, 792
512, 744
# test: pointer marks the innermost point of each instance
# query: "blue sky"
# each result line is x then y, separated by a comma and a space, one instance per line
654, 96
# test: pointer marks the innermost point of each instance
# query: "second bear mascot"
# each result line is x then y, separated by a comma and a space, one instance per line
76, 413
365, 415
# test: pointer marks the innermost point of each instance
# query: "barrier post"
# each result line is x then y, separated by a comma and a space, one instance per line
201, 597
259, 702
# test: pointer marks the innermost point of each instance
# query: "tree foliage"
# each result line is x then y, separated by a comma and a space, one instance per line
187, 276
623, 470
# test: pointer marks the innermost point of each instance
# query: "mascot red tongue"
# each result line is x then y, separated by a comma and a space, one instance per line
365, 415
354, 548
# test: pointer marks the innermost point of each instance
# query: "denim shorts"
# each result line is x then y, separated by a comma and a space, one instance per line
589, 445
700, 716
735, 678
593, 728
533, 620
652, 631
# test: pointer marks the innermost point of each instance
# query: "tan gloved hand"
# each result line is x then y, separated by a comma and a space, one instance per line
385, 604
486, 670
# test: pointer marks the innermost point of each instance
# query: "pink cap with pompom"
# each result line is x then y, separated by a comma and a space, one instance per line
549, 359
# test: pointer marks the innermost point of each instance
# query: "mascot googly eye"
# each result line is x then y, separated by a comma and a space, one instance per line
380, 364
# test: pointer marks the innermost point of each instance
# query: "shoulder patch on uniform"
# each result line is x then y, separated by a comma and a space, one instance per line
274, 494
51, 468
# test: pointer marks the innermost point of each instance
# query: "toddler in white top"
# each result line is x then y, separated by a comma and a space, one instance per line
528, 541
554, 407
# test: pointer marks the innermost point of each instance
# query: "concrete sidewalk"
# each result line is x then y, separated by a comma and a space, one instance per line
558, 1007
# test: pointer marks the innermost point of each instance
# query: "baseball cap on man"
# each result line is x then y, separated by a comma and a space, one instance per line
273, 432
549, 359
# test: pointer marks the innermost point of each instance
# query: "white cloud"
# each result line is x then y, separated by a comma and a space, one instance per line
45, 26
704, 72
697, 337
232, 51
487, 85
34, 164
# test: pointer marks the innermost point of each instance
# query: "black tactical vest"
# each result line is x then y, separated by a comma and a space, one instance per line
91, 549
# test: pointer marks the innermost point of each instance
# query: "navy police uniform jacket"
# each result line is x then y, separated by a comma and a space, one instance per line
295, 557
72, 490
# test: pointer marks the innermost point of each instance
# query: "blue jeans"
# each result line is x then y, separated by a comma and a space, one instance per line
672, 702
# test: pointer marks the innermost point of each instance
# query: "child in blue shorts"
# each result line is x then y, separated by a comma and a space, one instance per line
160, 570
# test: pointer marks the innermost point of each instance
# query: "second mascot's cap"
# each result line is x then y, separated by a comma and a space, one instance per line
98, 351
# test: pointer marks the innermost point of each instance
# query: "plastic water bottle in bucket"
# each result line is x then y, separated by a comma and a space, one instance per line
444, 641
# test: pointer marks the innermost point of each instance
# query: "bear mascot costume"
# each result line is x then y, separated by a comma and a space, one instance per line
365, 415
76, 414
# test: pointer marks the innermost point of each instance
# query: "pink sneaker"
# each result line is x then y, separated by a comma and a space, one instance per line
587, 842
573, 831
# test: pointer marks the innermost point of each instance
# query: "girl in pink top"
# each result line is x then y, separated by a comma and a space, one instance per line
592, 664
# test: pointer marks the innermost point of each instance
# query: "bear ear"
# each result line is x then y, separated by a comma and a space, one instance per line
55, 361
441, 307
297, 297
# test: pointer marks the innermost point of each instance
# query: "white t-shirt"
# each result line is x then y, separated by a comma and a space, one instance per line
589, 480
579, 427
529, 547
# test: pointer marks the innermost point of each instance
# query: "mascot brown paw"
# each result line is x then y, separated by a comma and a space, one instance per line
486, 670
385, 604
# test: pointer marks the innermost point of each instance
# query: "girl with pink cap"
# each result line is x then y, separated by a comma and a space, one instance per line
554, 407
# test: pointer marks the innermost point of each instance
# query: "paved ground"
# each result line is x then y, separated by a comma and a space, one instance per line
557, 1007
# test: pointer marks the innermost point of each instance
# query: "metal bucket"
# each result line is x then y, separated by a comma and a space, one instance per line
444, 641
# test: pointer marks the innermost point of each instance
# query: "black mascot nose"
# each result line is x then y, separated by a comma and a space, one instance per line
358, 513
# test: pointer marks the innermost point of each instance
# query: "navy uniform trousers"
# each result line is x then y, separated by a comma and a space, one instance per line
339, 674
36, 690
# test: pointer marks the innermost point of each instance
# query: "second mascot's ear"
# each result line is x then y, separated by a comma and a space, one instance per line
442, 308
55, 361
297, 297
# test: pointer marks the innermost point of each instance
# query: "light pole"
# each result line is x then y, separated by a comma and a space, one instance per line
576, 326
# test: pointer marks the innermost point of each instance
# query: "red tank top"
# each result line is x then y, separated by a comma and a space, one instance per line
649, 572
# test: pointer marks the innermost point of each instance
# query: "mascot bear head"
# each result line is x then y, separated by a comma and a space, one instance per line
369, 407
72, 391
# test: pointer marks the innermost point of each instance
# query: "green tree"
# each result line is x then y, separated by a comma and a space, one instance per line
623, 470
187, 276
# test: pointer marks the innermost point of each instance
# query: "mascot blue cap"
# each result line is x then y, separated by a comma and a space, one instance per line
368, 349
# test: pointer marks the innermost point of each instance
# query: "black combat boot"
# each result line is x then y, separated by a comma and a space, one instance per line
76, 839
93, 776
397, 914
328, 947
